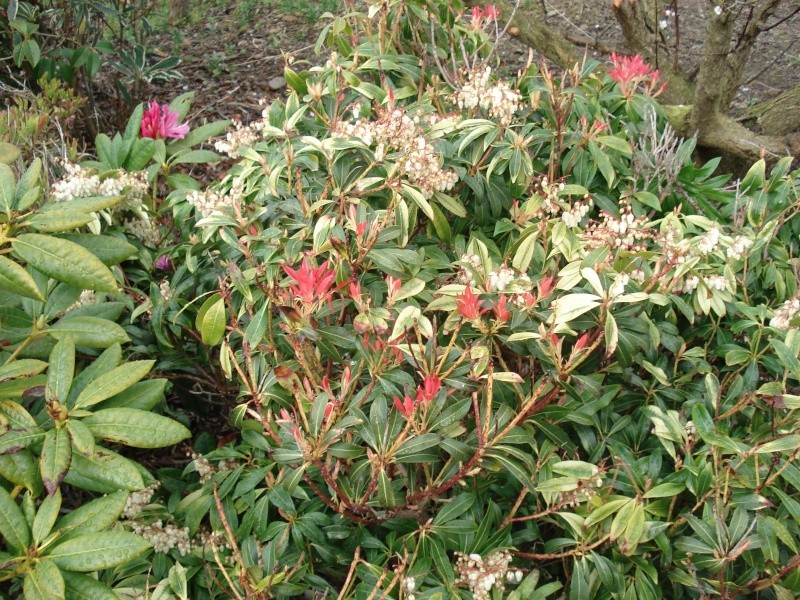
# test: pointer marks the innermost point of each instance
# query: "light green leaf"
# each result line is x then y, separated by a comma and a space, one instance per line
23, 367
85, 587
211, 320
15, 279
137, 428
665, 490
575, 468
65, 261
45, 517
96, 551
55, 459
113, 382
13, 527
143, 395
94, 516
788, 443
44, 582
105, 471
572, 306
92, 332
8, 188
61, 370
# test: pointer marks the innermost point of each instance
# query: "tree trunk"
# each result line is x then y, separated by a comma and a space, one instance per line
777, 115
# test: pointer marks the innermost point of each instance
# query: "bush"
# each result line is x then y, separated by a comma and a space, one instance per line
492, 338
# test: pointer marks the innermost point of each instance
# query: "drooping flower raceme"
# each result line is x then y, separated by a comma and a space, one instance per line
159, 122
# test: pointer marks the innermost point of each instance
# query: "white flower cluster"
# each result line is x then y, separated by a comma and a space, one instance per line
498, 280
783, 316
709, 241
145, 231
576, 212
550, 193
711, 283
86, 297
618, 287
498, 98
203, 467
625, 232
164, 537
716, 282
132, 185
137, 501
467, 275
239, 137
409, 584
738, 247
165, 290
481, 576
210, 201
75, 183
689, 285
78, 182
396, 131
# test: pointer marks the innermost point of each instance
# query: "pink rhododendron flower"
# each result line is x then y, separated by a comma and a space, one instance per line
630, 71
159, 122
313, 285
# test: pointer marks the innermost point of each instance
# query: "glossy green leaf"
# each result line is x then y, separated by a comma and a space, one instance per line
61, 370
45, 517
96, 551
137, 428
64, 261
56, 458
85, 587
211, 321
15, 279
104, 471
92, 332
94, 516
143, 395
13, 527
113, 382
44, 582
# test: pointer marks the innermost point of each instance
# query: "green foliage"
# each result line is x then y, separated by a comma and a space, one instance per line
472, 317
60, 400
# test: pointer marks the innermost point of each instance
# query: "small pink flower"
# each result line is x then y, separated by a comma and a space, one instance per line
163, 263
159, 122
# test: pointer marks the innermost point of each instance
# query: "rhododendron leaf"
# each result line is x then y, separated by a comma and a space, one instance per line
109, 249
93, 516
182, 104
86, 587
13, 526
45, 517
44, 582
136, 428
113, 382
15, 279
8, 188
92, 332
96, 551
56, 458
104, 471
64, 261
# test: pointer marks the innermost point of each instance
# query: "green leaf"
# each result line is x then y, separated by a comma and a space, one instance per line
105, 471
92, 332
94, 516
15, 279
413, 450
197, 157
55, 459
45, 517
14, 440
8, 188
44, 582
110, 250
23, 367
606, 510
453, 509
13, 527
85, 587
211, 321
137, 428
572, 306
56, 222
64, 261
666, 490
113, 382
61, 370
615, 143
82, 439
788, 443
143, 395
8, 153
257, 327
575, 468
16, 388
96, 551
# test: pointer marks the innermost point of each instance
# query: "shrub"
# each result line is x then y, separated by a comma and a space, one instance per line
488, 332
63, 391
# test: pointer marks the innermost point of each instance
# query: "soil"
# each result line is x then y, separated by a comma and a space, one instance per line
233, 53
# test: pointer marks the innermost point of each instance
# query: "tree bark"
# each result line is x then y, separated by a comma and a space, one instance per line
777, 115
